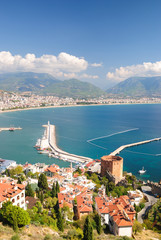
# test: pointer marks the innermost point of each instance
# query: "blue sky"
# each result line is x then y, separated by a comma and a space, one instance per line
100, 41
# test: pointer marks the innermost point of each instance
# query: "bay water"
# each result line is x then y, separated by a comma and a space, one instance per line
91, 131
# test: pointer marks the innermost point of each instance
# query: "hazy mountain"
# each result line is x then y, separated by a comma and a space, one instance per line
74, 88
41, 83
138, 87
26, 81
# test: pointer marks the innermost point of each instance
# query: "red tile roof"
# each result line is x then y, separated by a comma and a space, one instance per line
65, 199
119, 209
53, 169
9, 190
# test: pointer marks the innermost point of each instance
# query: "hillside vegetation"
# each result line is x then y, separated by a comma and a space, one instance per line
45, 84
138, 87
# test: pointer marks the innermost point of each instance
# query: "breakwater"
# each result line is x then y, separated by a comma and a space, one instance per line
51, 136
118, 150
10, 129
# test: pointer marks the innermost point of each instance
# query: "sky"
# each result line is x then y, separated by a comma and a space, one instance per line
99, 41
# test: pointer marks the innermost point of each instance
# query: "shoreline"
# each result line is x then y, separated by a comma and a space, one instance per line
76, 105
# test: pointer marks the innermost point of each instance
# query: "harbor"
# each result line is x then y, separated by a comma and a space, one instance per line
48, 141
118, 150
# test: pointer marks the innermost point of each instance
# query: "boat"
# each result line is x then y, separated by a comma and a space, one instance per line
37, 145
11, 129
142, 171
43, 152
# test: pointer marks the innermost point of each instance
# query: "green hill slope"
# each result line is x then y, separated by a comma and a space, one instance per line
74, 88
138, 87
26, 81
45, 84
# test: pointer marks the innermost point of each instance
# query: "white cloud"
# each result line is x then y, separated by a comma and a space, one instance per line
147, 69
70, 75
88, 76
96, 64
55, 65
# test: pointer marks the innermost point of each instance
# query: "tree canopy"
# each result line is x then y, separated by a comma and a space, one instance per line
42, 182
14, 214
88, 230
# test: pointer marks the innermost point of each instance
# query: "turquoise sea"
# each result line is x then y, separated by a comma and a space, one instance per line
113, 125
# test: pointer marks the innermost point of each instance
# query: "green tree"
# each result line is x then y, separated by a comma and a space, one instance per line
53, 191
111, 186
39, 206
57, 187
107, 190
88, 230
42, 197
60, 224
137, 227
50, 202
98, 223
79, 171
29, 191
42, 182
14, 215
16, 171
67, 212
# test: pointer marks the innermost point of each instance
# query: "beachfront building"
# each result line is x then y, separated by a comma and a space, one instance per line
15, 193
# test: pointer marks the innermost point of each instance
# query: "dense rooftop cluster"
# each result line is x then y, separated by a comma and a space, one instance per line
11, 100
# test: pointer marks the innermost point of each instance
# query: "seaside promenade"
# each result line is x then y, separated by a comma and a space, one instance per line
118, 150
51, 136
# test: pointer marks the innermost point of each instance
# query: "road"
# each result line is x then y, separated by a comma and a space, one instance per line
151, 200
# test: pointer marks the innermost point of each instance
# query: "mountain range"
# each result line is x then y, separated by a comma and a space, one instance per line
45, 84
138, 87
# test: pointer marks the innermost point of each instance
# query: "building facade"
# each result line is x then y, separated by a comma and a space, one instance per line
14, 193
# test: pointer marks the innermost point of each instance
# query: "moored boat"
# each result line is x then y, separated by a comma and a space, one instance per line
142, 171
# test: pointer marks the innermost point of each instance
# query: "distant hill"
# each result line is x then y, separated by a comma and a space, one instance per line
45, 84
26, 81
74, 88
138, 87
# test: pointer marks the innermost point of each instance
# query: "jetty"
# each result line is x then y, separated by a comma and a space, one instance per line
51, 137
118, 150
10, 129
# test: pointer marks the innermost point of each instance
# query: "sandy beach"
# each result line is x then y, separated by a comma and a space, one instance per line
76, 105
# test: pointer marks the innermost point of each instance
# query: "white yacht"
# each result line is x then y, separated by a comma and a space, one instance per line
142, 171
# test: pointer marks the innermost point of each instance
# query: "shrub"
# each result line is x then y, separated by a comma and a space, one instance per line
15, 237
48, 237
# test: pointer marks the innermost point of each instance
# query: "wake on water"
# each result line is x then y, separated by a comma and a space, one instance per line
90, 141
107, 136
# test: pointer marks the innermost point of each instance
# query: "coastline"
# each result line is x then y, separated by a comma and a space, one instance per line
75, 105
118, 108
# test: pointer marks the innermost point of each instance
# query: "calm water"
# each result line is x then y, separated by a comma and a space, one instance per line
76, 125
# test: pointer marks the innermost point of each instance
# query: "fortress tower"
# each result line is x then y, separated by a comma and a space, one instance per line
112, 167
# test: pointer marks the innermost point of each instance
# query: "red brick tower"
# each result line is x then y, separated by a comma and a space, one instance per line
112, 165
